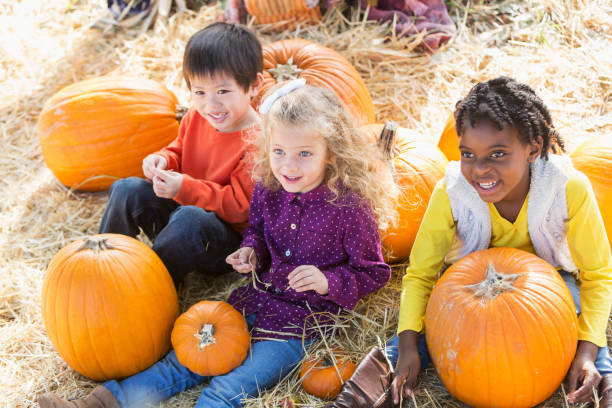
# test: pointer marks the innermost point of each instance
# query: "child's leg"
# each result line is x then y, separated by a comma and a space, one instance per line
195, 239
162, 380
392, 351
266, 364
133, 204
603, 363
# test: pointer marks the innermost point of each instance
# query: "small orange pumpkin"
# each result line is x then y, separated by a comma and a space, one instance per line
594, 159
418, 165
320, 66
322, 377
108, 304
501, 329
449, 141
96, 131
211, 338
288, 12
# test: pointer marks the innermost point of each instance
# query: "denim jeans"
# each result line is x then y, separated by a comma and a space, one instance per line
186, 238
603, 363
267, 362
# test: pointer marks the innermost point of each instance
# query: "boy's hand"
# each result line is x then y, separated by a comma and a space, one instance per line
153, 161
243, 260
166, 183
583, 371
407, 368
308, 277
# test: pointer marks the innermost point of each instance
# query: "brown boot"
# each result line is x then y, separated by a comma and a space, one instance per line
605, 392
369, 385
100, 397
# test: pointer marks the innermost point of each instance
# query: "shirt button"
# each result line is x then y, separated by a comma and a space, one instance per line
293, 226
287, 252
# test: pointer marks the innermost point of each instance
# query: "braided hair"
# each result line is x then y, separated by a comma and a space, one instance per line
504, 101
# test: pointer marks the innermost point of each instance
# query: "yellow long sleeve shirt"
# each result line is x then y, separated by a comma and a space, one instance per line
586, 238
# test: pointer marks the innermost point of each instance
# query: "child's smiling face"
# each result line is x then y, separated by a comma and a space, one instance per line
222, 102
496, 162
297, 158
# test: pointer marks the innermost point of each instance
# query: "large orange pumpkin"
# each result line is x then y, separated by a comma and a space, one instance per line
211, 338
449, 142
108, 304
96, 131
418, 165
323, 376
320, 66
594, 159
501, 329
287, 12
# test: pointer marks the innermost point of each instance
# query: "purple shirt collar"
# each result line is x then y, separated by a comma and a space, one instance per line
316, 195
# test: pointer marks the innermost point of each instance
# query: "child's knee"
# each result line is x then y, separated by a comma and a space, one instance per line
194, 220
130, 186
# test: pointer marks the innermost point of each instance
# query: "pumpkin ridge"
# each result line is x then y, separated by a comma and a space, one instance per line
102, 263
144, 324
88, 312
530, 312
71, 330
524, 356
151, 286
535, 297
68, 321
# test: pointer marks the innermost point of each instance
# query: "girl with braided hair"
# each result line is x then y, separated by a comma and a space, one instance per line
493, 197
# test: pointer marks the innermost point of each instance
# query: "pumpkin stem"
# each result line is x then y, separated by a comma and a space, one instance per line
386, 140
327, 361
96, 244
493, 284
205, 336
286, 71
180, 111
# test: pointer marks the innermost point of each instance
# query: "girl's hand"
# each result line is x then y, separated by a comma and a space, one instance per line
153, 161
243, 260
308, 277
407, 368
583, 371
166, 183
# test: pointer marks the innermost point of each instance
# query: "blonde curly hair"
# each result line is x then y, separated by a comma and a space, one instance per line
354, 161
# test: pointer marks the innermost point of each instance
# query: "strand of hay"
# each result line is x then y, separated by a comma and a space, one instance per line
559, 48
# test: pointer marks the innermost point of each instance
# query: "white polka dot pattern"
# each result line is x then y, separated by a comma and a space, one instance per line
288, 230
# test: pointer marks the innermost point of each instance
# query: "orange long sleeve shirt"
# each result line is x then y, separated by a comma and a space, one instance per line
217, 175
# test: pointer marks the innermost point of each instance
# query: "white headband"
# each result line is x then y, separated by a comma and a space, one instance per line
282, 91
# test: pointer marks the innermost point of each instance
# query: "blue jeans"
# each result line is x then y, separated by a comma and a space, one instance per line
186, 238
267, 362
603, 363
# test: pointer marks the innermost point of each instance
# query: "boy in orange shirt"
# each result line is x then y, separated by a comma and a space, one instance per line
195, 200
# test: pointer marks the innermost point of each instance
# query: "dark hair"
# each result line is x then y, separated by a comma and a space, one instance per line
223, 48
504, 101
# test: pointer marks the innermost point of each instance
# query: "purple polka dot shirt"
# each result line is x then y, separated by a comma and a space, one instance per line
287, 230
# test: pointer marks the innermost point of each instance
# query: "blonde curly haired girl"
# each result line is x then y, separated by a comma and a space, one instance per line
353, 162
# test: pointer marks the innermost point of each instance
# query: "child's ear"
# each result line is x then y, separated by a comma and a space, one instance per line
256, 85
535, 149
